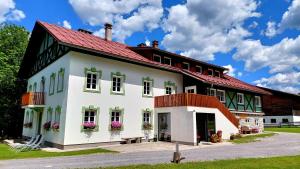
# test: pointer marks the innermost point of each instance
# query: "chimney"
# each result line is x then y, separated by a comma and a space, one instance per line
155, 44
108, 31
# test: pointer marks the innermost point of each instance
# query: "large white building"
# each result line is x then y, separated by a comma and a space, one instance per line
84, 90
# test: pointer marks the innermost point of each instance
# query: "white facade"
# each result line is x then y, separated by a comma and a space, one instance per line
276, 120
183, 123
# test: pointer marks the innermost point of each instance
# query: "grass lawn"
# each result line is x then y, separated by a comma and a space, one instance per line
251, 138
284, 129
6, 153
288, 162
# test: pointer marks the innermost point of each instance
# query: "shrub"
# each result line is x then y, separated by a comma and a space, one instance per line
147, 126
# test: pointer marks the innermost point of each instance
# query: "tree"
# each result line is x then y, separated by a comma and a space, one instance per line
13, 43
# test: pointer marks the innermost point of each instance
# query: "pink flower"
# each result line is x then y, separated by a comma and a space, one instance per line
47, 125
115, 125
89, 125
55, 126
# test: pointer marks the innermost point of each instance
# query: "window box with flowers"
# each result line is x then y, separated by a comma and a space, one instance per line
116, 119
28, 119
47, 125
90, 119
55, 126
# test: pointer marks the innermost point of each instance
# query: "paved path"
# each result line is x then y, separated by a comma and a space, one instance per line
278, 145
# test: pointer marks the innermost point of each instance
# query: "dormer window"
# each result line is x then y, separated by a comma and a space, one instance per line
167, 61
186, 66
157, 58
198, 69
210, 72
217, 73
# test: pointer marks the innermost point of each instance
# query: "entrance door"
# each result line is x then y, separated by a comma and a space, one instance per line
191, 89
205, 126
39, 122
164, 127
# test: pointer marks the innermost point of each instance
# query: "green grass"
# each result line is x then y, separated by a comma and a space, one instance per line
284, 129
6, 153
287, 162
251, 138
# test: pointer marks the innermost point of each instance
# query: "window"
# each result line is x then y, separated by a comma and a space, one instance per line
211, 92
257, 101
92, 80
31, 116
199, 69
117, 83
30, 88
273, 120
186, 66
210, 72
257, 122
147, 87
52, 84
90, 116
264, 120
42, 85
217, 73
116, 119
57, 114
221, 95
247, 120
146, 117
170, 87
49, 114
157, 58
285, 120
191, 89
115, 116
60, 80
240, 98
167, 61
26, 117
34, 87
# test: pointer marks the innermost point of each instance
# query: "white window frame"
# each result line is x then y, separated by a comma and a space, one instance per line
91, 83
150, 85
191, 88
223, 96
172, 89
114, 116
157, 57
243, 99
52, 84
147, 119
114, 89
218, 73
60, 80
210, 91
89, 116
211, 71
259, 98
169, 60
200, 68
186, 63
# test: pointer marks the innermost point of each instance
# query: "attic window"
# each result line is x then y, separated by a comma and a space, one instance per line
185, 65
167, 61
217, 73
210, 72
157, 58
199, 69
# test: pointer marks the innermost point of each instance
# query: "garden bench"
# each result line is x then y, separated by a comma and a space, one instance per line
136, 139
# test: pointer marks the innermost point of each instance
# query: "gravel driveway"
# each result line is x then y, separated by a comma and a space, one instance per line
279, 145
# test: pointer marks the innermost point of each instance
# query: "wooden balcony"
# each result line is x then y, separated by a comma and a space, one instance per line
197, 100
33, 99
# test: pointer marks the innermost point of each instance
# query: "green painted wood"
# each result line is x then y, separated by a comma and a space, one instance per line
249, 102
231, 102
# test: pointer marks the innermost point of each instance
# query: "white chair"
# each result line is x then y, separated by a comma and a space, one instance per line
17, 145
37, 144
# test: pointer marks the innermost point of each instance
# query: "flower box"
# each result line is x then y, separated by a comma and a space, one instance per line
89, 126
55, 126
147, 126
28, 125
47, 125
116, 126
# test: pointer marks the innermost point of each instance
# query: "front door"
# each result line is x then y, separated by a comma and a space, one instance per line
39, 122
164, 127
191, 89
205, 126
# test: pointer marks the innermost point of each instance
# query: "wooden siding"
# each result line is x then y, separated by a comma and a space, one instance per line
185, 99
33, 98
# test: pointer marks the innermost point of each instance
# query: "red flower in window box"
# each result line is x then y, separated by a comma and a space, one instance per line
116, 126
47, 125
55, 126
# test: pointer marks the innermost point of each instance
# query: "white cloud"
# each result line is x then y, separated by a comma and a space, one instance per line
271, 29
200, 29
147, 42
127, 17
240, 74
253, 25
287, 82
231, 70
67, 24
8, 11
290, 18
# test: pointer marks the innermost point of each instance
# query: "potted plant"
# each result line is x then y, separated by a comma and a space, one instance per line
219, 134
89, 125
147, 126
55, 126
47, 125
116, 126
214, 138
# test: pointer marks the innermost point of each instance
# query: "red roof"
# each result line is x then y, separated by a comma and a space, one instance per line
93, 43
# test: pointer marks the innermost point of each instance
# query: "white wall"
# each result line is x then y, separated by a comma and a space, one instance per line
279, 119
183, 122
132, 101
50, 101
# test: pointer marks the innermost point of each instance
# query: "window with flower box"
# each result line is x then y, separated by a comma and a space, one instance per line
90, 118
56, 123
47, 124
147, 119
116, 119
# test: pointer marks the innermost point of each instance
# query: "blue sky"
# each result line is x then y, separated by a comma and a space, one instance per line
257, 40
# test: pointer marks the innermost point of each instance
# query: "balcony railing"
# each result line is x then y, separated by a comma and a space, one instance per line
33, 99
197, 100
